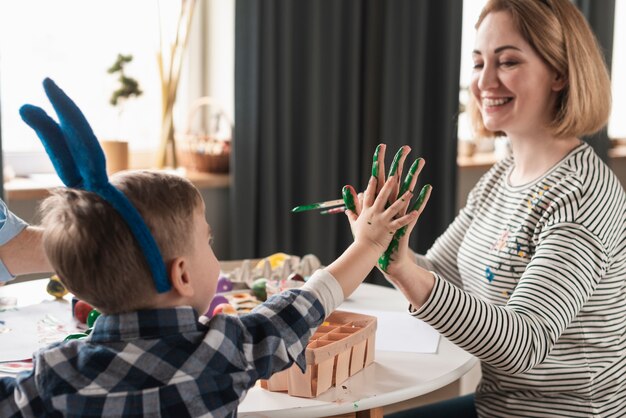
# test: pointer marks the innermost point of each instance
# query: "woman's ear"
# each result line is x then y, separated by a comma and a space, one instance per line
179, 277
559, 82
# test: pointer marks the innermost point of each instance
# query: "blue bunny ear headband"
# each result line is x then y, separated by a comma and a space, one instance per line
79, 161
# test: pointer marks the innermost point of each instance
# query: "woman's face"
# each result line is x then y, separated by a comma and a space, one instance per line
515, 89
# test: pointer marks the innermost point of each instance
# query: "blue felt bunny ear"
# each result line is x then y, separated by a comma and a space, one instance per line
78, 159
54, 144
81, 140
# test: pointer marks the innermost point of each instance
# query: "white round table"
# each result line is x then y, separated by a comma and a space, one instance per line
393, 377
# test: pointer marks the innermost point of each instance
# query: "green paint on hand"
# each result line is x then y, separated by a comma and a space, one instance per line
395, 162
420, 199
375, 163
409, 177
385, 259
348, 199
375, 170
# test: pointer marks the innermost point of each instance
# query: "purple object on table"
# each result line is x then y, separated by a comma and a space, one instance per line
217, 299
224, 284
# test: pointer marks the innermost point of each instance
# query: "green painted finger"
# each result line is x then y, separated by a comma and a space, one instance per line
409, 177
348, 198
375, 163
375, 170
420, 199
395, 162
386, 258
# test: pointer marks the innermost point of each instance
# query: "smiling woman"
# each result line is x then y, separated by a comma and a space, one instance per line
617, 122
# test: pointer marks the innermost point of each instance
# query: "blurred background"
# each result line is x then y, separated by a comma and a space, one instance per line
269, 104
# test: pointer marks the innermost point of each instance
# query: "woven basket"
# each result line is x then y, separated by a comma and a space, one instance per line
206, 151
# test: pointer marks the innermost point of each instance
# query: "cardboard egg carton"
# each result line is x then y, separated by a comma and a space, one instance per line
250, 270
340, 348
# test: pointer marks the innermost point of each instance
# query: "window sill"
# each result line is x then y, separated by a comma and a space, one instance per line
38, 186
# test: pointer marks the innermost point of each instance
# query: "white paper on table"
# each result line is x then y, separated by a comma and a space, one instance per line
25, 330
399, 331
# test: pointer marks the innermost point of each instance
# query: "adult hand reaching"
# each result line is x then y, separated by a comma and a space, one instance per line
397, 256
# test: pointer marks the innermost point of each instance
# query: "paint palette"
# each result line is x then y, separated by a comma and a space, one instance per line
342, 346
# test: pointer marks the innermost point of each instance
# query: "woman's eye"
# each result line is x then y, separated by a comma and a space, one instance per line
508, 63
478, 65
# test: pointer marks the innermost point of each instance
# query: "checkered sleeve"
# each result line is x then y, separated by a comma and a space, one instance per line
275, 334
19, 397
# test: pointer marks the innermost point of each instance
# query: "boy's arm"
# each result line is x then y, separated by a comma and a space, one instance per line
276, 333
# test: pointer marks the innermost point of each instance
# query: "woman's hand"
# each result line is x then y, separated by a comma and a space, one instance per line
397, 257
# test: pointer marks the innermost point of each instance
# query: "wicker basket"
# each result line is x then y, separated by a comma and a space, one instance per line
206, 151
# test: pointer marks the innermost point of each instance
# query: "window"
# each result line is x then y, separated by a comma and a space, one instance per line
74, 42
471, 11
617, 123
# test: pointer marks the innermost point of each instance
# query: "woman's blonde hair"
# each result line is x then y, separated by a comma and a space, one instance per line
559, 33
92, 249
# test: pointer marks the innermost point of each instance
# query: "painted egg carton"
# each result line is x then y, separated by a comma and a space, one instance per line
249, 272
340, 348
242, 301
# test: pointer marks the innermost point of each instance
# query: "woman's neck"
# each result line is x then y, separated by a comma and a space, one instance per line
534, 156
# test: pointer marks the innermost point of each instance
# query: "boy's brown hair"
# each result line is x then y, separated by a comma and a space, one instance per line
92, 249
562, 37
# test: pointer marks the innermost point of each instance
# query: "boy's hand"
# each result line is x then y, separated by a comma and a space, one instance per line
397, 257
376, 224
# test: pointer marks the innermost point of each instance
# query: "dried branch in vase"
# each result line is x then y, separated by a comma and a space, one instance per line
170, 59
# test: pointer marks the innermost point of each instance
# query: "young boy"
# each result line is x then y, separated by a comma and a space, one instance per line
148, 355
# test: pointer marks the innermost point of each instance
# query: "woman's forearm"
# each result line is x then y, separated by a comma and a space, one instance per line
416, 283
24, 254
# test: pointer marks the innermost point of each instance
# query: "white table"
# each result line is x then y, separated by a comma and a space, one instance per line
394, 377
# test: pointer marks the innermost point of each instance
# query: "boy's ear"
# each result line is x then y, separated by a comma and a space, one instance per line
179, 277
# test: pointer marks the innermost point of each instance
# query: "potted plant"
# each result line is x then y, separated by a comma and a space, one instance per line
128, 86
116, 151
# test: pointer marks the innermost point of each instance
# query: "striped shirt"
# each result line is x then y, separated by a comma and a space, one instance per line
165, 363
532, 280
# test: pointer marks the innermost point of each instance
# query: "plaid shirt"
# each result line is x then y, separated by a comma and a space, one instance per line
165, 363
